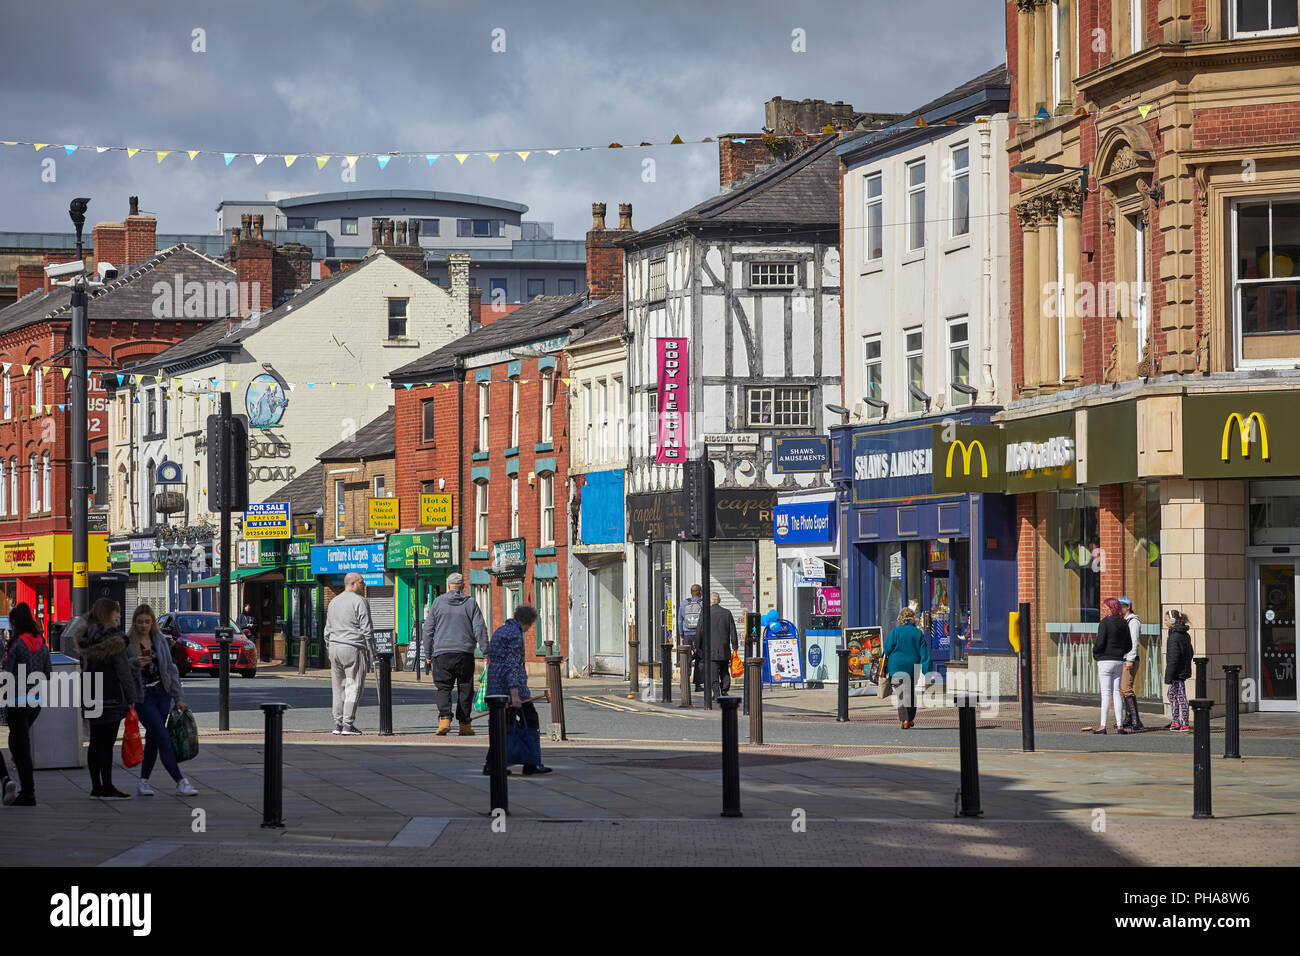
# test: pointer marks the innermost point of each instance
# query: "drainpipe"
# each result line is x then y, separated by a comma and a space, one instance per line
986, 276
130, 466
459, 368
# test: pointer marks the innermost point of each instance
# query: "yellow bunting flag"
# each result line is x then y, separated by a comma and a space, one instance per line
321, 161
352, 160
162, 154
40, 146
47, 409
493, 156
351, 385
138, 379
288, 160
131, 151
524, 155
26, 369
193, 153
66, 372
177, 382
372, 385
675, 141
1144, 109
461, 157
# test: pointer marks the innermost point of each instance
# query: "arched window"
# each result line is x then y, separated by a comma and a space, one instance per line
9, 396
47, 496
147, 511
4, 497
33, 485
38, 374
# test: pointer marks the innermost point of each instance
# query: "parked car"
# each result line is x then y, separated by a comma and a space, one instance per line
196, 633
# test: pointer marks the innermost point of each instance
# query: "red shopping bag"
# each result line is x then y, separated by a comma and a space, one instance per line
132, 745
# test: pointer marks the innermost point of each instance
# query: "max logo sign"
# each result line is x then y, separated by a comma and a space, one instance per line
1248, 429
967, 451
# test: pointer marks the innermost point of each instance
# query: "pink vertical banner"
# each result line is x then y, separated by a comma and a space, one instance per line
674, 400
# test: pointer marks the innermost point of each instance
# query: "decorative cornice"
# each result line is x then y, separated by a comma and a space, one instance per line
1069, 199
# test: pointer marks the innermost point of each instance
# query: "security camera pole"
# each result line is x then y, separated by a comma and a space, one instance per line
79, 429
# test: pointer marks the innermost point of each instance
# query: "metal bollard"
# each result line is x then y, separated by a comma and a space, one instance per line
754, 695
970, 766
499, 797
1201, 663
273, 766
684, 675
1201, 803
385, 695
730, 755
555, 690
225, 635
634, 668
842, 689
1026, 683
667, 660
1232, 711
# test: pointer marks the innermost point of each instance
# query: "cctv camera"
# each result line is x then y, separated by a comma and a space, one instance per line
106, 270
58, 270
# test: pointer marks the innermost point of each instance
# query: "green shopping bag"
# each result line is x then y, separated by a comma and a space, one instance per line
184, 733
480, 698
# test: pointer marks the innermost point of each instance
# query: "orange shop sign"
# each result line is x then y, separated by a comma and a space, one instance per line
44, 553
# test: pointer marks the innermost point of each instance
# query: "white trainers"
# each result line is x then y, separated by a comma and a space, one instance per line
338, 728
10, 792
185, 788
143, 788
350, 731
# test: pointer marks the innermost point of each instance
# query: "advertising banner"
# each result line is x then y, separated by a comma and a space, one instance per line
810, 522
674, 400
1241, 435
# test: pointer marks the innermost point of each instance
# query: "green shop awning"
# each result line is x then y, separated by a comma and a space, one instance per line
242, 574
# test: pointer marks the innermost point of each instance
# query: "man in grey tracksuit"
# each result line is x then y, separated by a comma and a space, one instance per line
455, 624
349, 637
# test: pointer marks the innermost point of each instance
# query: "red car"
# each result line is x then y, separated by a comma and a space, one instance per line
194, 632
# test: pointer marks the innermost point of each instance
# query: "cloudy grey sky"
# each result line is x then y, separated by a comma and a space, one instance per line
346, 76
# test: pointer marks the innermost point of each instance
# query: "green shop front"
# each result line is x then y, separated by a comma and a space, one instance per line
304, 611
419, 563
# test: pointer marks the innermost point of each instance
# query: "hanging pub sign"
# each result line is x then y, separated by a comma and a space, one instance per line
674, 400
509, 558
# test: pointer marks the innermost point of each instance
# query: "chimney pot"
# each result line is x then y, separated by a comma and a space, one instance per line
388, 232
413, 230
376, 227
134, 202
257, 226
625, 216
401, 232
246, 225
598, 217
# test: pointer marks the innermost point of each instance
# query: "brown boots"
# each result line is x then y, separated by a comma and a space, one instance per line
466, 729
444, 726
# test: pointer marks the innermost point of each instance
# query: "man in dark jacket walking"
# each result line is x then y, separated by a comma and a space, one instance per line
688, 627
722, 641
455, 625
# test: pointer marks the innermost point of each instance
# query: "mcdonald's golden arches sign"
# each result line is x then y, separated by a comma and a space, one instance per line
967, 457
1241, 435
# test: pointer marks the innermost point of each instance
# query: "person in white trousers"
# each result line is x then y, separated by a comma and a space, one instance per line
1108, 649
350, 639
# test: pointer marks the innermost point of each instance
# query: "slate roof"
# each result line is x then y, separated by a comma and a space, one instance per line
534, 320
305, 493
375, 439
130, 296
196, 350
802, 192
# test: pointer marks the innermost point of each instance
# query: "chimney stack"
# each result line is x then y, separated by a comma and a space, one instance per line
246, 226
30, 278
458, 287
109, 241
388, 232
604, 255
141, 236
376, 232
257, 226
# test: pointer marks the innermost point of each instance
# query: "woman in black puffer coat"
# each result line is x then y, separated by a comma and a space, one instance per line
1178, 668
105, 653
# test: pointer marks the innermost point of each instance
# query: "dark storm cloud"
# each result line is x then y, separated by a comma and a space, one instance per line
370, 75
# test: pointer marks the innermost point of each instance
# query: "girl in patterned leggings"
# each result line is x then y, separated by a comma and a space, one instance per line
1178, 668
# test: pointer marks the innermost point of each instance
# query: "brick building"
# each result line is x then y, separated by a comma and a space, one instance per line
1155, 308
35, 453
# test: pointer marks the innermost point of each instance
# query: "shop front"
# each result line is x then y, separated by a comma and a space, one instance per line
304, 616
330, 563
808, 571
597, 639
38, 570
922, 526
419, 563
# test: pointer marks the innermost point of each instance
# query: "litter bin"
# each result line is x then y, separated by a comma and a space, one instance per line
57, 733
56, 637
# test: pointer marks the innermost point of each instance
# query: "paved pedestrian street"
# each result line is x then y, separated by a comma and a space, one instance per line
416, 799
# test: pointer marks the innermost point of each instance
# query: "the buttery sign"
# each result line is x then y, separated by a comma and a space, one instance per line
1241, 435
792, 454
432, 549
967, 457
1039, 453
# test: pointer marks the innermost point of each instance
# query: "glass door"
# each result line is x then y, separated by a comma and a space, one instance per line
1275, 593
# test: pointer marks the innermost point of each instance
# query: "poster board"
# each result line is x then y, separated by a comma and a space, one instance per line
783, 661
865, 652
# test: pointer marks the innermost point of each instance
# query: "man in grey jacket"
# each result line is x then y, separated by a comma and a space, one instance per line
455, 624
349, 637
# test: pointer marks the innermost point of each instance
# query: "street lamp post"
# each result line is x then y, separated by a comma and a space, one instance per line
79, 429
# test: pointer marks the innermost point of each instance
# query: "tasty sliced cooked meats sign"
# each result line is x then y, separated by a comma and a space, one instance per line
674, 400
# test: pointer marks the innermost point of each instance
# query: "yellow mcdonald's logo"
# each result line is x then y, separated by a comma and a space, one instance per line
966, 452
1246, 432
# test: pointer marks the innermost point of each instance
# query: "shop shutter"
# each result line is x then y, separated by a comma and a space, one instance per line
383, 607
132, 597
733, 573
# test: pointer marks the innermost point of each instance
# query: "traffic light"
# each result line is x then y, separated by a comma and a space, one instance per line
236, 497
753, 633
697, 482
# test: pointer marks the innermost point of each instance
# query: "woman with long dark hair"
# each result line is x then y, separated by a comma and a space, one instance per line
1113, 641
160, 695
26, 656
105, 654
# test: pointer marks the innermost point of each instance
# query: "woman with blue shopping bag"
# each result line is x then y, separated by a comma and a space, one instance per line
506, 677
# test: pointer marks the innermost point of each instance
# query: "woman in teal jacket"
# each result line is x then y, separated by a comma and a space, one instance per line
906, 648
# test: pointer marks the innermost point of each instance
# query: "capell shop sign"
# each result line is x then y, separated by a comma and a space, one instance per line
1241, 435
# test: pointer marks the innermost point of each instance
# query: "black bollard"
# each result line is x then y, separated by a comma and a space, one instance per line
633, 667
499, 798
273, 766
667, 662
970, 766
730, 755
224, 637
754, 697
684, 676
1201, 663
1232, 711
385, 695
555, 690
1026, 683
1201, 803
842, 690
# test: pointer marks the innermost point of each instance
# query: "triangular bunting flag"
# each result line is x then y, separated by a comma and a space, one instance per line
321, 161
1042, 113
120, 378
291, 385
66, 372
334, 384
351, 385
553, 152
138, 378
69, 149
258, 157
383, 161
131, 151
40, 146
351, 160
920, 121
615, 146
432, 157
523, 157
47, 409
461, 157
309, 386
1144, 109
493, 156
193, 153
407, 386
675, 141
288, 160
229, 157
372, 385
26, 369
162, 154
101, 149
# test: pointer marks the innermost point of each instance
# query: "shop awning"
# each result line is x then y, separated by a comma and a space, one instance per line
242, 574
